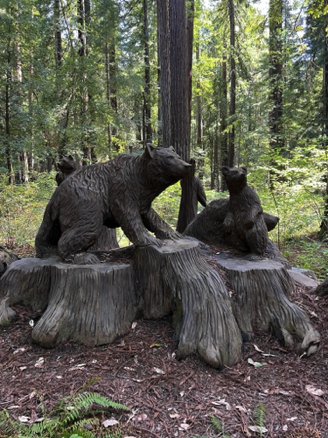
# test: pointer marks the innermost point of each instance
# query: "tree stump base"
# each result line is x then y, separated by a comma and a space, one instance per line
178, 279
262, 296
94, 304
84, 303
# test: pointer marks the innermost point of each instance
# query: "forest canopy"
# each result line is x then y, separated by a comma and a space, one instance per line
84, 78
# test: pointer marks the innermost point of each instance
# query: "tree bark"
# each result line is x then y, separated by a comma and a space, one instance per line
58, 37
147, 134
223, 113
275, 75
324, 223
262, 301
232, 109
163, 38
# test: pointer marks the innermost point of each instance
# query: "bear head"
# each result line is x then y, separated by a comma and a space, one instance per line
164, 165
67, 164
235, 177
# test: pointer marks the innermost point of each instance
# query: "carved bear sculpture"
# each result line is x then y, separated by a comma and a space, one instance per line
107, 239
117, 193
67, 165
244, 221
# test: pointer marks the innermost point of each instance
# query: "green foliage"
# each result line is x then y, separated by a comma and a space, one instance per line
259, 417
218, 427
22, 207
167, 204
72, 417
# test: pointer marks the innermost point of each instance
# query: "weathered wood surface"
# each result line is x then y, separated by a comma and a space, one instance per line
6, 259
262, 299
27, 281
177, 273
94, 304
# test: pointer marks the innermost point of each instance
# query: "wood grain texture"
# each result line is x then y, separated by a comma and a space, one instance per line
262, 299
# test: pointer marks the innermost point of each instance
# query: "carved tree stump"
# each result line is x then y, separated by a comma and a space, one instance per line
94, 304
262, 299
177, 273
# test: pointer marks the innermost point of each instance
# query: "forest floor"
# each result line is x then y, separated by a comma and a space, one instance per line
171, 398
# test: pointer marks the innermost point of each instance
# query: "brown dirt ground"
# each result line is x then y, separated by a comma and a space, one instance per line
170, 398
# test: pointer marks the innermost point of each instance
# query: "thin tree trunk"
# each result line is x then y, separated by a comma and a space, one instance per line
223, 114
163, 30
232, 109
147, 137
275, 75
199, 121
216, 158
82, 18
324, 224
58, 37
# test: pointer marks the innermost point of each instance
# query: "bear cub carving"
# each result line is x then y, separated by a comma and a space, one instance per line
117, 193
244, 222
66, 166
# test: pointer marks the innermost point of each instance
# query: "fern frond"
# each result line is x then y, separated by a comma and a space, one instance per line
6, 424
85, 400
72, 415
216, 423
259, 415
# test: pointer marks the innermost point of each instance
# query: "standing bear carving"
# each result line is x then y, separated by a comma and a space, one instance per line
244, 222
117, 193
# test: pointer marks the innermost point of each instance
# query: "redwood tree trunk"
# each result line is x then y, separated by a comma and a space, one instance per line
163, 30
223, 114
232, 109
324, 222
275, 75
147, 137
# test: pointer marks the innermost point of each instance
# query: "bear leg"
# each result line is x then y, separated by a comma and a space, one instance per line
77, 239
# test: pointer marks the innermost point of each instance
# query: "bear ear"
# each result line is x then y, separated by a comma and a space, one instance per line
225, 170
171, 148
150, 150
70, 157
244, 168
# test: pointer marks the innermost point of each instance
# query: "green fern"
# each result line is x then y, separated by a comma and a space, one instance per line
218, 426
67, 420
259, 416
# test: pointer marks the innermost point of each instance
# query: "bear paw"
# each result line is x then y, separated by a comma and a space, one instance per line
84, 258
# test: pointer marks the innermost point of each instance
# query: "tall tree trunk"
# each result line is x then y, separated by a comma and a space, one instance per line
190, 12
58, 36
174, 41
324, 224
163, 39
232, 109
223, 115
83, 11
110, 67
147, 137
180, 66
179, 79
11, 176
215, 166
275, 75
199, 121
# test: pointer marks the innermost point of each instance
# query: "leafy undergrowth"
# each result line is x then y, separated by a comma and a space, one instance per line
308, 252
